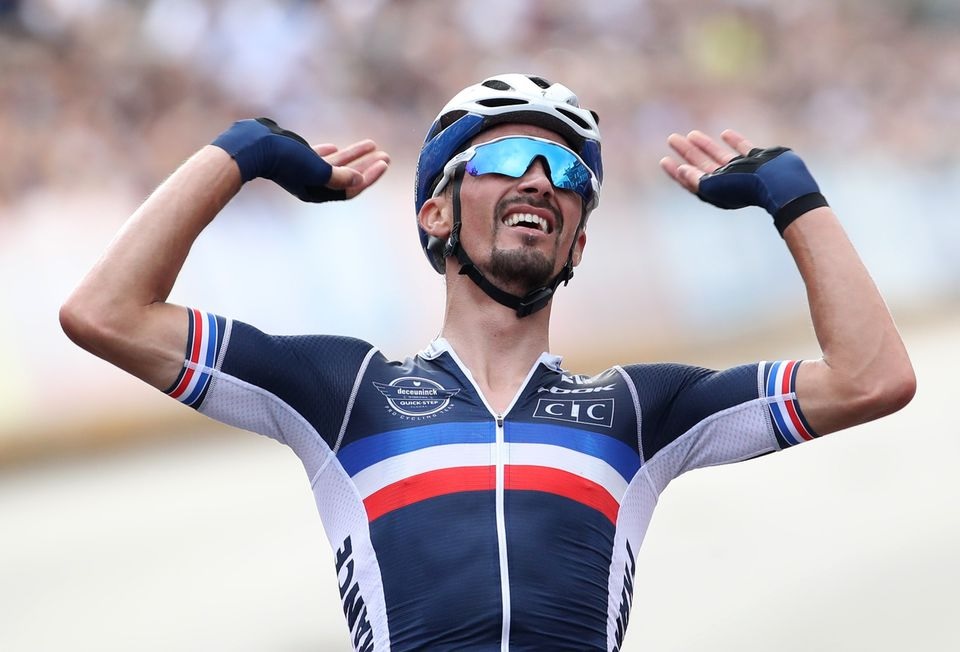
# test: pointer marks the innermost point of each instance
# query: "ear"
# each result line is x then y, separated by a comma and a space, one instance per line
436, 218
578, 246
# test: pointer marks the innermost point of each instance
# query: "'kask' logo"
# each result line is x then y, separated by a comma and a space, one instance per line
416, 398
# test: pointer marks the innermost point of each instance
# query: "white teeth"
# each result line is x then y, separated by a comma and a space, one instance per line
528, 220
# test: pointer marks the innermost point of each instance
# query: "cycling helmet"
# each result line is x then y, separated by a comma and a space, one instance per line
513, 98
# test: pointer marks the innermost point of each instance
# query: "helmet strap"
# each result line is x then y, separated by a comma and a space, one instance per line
523, 305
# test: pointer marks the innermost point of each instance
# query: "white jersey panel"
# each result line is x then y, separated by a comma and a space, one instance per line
241, 404
358, 571
738, 433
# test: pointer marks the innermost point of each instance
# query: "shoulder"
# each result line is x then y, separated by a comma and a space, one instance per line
250, 342
675, 397
664, 378
277, 363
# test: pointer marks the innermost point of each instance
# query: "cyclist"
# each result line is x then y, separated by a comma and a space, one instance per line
477, 495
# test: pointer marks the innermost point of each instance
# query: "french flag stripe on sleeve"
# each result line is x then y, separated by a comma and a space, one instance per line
204, 338
788, 420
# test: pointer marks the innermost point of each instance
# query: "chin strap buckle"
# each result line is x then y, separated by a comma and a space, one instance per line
533, 301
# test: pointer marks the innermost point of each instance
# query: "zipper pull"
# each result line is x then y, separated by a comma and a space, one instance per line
499, 421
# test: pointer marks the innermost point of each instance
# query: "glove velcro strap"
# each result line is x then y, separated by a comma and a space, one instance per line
797, 207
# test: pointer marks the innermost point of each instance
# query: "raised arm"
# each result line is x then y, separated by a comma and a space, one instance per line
865, 372
119, 310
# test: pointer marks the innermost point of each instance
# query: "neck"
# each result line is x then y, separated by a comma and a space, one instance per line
496, 346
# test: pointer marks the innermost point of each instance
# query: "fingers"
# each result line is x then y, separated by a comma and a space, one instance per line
325, 149
698, 154
718, 153
685, 174
361, 165
351, 153
355, 167
692, 153
341, 178
737, 141
369, 176
359, 177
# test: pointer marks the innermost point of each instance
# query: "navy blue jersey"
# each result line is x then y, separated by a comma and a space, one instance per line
454, 527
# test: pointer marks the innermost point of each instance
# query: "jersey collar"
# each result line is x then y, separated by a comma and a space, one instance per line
440, 345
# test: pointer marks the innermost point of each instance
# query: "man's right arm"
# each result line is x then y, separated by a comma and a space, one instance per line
119, 310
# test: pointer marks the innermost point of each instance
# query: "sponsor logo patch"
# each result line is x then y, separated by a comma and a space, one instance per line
577, 390
592, 412
415, 397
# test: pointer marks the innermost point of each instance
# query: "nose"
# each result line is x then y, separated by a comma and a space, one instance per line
536, 180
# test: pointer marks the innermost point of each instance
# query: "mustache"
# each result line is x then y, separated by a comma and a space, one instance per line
507, 202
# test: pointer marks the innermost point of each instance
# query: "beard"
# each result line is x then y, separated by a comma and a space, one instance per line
524, 269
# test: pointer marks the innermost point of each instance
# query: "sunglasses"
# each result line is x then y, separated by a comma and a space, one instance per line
513, 155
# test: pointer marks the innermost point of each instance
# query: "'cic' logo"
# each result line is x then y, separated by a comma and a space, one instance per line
416, 397
592, 412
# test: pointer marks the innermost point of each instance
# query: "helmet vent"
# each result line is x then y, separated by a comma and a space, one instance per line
501, 101
497, 85
446, 120
573, 117
541, 82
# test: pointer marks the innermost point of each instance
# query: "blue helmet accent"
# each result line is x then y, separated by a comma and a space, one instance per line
436, 152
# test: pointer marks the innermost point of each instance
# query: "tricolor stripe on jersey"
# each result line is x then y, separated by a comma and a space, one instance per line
402, 467
620, 457
590, 468
779, 383
204, 339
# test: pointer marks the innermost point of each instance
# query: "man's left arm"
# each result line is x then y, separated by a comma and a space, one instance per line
864, 372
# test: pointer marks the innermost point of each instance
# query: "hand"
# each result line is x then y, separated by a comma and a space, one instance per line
355, 167
261, 148
700, 154
774, 178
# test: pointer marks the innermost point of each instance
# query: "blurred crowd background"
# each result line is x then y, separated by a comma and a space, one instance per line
96, 90
102, 99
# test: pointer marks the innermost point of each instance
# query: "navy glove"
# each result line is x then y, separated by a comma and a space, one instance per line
774, 179
262, 148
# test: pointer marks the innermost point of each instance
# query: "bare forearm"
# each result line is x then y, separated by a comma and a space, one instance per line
119, 311
865, 371
123, 295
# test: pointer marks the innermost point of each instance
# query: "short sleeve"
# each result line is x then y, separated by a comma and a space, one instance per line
693, 417
778, 385
284, 387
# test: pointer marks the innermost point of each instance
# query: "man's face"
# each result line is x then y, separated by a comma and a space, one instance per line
519, 231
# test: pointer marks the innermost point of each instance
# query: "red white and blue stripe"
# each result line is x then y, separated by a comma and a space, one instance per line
402, 467
589, 468
204, 339
779, 384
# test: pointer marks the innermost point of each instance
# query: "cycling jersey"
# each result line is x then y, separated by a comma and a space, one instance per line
458, 528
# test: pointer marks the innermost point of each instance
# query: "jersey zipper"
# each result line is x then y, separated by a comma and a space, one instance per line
502, 535
500, 464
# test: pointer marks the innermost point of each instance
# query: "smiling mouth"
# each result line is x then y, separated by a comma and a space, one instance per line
527, 220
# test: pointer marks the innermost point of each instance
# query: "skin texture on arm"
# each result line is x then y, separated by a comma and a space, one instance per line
119, 310
865, 372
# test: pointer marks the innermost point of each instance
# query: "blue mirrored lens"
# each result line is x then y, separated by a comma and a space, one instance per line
513, 157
